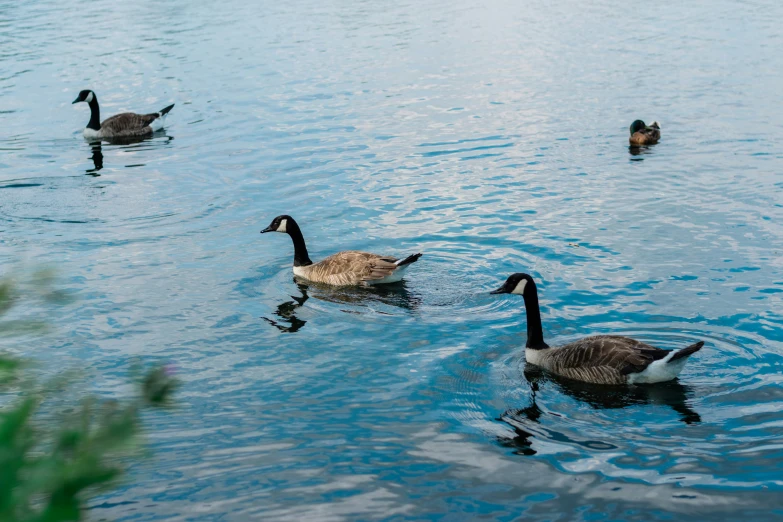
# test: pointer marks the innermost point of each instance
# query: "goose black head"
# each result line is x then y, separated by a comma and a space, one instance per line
637, 126
515, 284
279, 224
84, 96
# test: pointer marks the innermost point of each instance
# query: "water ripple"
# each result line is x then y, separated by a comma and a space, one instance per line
492, 138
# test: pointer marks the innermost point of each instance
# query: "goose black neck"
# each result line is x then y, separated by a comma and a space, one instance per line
535, 333
95, 114
300, 249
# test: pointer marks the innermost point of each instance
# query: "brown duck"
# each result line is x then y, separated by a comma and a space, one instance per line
641, 134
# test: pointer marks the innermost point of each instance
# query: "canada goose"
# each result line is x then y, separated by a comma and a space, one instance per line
125, 125
344, 268
641, 134
600, 359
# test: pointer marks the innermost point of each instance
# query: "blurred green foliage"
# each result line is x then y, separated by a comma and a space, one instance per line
56, 452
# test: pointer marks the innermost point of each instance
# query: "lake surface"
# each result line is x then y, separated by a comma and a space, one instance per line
493, 138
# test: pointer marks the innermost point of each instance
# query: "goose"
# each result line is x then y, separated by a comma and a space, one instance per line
346, 268
125, 125
641, 134
599, 359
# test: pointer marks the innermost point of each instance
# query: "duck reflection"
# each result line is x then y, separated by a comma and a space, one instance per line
639, 150
285, 311
526, 421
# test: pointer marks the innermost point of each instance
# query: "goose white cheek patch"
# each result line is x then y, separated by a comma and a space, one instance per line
281, 227
520, 288
89, 98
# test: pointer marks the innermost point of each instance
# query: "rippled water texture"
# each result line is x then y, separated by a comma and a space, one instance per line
493, 138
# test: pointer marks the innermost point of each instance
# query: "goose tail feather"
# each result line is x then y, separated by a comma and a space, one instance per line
408, 260
687, 351
166, 110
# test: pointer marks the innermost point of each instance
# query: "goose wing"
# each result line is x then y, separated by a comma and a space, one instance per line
604, 359
380, 268
352, 267
129, 124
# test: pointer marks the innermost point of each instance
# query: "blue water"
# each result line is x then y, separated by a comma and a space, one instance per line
491, 137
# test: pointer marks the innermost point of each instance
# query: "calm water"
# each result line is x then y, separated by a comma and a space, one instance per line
494, 140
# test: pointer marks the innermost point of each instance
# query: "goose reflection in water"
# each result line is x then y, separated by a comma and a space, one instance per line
97, 158
285, 311
96, 146
392, 294
526, 421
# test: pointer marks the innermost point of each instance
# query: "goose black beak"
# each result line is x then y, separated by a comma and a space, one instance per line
268, 229
501, 290
77, 100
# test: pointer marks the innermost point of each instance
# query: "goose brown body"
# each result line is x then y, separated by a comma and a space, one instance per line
601, 359
352, 267
128, 125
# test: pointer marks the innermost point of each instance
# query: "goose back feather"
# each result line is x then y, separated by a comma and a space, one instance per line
353, 267
128, 124
601, 359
